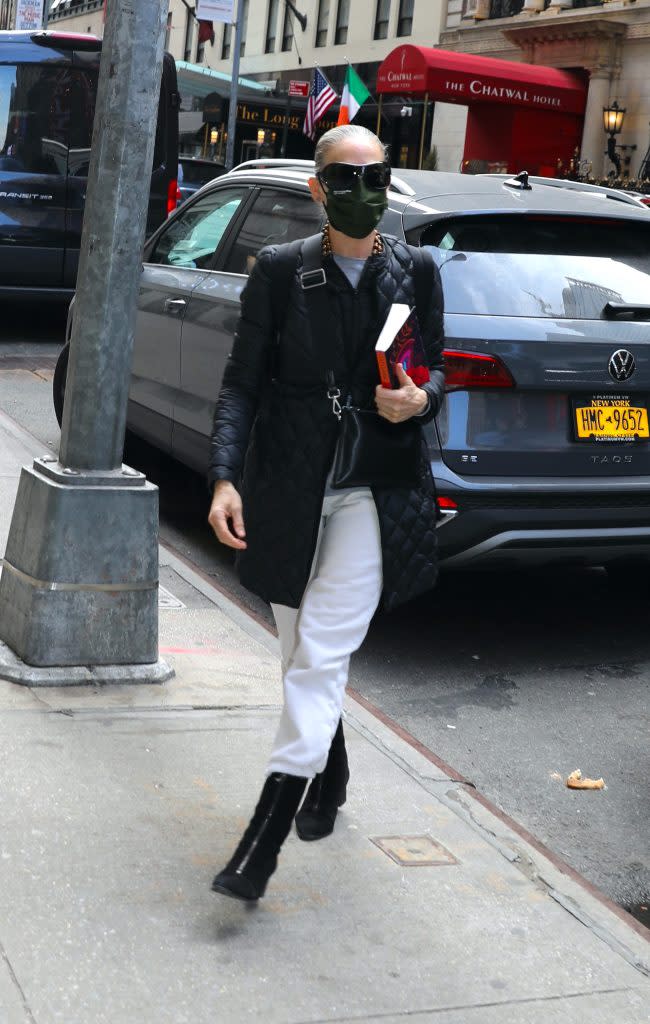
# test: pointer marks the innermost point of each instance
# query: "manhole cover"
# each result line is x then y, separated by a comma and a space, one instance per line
167, 600
414, 851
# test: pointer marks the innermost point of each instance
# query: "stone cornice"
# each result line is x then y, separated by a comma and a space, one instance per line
563, 28
485, 38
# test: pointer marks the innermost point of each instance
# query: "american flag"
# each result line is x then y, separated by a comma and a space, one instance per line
321, 98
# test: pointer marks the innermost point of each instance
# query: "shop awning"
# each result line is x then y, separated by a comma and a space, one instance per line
198, 80
465, 78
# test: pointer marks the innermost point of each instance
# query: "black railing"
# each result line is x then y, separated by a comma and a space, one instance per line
505, 8
509, 8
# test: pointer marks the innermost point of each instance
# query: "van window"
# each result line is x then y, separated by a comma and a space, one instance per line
46, 119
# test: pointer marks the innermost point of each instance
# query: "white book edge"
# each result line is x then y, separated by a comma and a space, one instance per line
397, 317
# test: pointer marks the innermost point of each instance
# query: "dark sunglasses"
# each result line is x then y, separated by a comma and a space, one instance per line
343, 177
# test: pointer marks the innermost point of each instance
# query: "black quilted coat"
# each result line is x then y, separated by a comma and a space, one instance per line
274, 432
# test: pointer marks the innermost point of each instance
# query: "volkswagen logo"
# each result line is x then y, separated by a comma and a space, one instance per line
621, 365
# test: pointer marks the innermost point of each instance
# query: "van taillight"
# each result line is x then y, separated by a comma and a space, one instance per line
173, 196
473, 370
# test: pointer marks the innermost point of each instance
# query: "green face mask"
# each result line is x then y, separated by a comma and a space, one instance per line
358, 212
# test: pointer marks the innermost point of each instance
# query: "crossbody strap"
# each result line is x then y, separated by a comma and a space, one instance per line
313, 281
284, 266
423, 275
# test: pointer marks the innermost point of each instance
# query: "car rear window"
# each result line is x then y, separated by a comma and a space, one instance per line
200, 174
540, 266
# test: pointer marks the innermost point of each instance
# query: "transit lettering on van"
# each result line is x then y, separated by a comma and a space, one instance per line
24, 195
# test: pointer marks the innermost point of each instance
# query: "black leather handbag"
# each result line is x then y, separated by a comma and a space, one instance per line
371, 451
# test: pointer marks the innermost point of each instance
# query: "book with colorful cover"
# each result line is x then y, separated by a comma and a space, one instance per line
400, 341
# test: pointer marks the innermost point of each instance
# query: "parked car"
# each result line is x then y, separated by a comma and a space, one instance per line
541, 451
48, 90
194, 173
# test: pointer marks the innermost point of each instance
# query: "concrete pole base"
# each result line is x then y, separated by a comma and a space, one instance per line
14, 670
79, 583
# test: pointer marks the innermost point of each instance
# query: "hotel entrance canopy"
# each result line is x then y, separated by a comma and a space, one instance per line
467, 79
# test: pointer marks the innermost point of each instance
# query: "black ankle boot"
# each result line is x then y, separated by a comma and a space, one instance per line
255, 859
327, 793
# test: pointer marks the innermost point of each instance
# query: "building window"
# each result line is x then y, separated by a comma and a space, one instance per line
226, 44
323, 22
287, 31
342, 22
271, 26
405, 17
189, 28
243, 14
381, 19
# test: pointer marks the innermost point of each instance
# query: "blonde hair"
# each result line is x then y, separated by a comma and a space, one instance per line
342, 133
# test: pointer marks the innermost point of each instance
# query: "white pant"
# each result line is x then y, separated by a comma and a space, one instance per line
317, 639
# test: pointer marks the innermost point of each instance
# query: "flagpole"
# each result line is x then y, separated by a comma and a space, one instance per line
232, 113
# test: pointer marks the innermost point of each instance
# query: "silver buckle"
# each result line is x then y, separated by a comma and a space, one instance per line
334, 394
319, 275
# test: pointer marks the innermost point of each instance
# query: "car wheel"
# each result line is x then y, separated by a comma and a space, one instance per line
630, 577
58, 384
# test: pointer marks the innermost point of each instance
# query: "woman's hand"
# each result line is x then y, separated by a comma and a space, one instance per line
226, 516
399, 404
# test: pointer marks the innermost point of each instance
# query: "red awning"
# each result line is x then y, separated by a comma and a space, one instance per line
465, 78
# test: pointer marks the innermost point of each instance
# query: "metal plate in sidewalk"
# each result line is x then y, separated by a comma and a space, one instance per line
167, 600
414, 851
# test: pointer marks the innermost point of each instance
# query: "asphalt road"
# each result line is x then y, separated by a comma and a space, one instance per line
513, 680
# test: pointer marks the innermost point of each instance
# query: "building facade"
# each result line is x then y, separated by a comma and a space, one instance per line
276, 49
607, 43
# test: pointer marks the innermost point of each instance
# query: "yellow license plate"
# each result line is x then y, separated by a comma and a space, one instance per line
617, 420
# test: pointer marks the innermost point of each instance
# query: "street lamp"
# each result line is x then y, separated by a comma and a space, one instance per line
613, 117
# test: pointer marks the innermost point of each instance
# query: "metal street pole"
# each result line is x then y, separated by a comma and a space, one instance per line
79, 585
285, 129
46, 12
232, 113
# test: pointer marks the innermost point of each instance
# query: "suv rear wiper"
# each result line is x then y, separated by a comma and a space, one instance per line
626, 311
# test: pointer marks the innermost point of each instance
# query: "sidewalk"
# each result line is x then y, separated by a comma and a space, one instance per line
119, 803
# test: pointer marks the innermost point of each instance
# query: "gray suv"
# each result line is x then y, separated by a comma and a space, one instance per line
541, 452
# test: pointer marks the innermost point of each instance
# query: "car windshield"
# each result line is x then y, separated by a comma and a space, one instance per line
567, 267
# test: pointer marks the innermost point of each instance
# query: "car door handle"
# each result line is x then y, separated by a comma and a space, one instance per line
174, 306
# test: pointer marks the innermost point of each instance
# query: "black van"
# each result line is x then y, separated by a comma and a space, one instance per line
48, 90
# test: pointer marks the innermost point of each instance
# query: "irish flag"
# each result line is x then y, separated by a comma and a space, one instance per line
354, 94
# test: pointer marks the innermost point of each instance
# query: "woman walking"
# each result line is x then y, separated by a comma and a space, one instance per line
319, 551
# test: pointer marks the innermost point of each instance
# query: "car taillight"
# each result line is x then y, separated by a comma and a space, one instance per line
473, 370
646, 200
446, 504
173, 196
